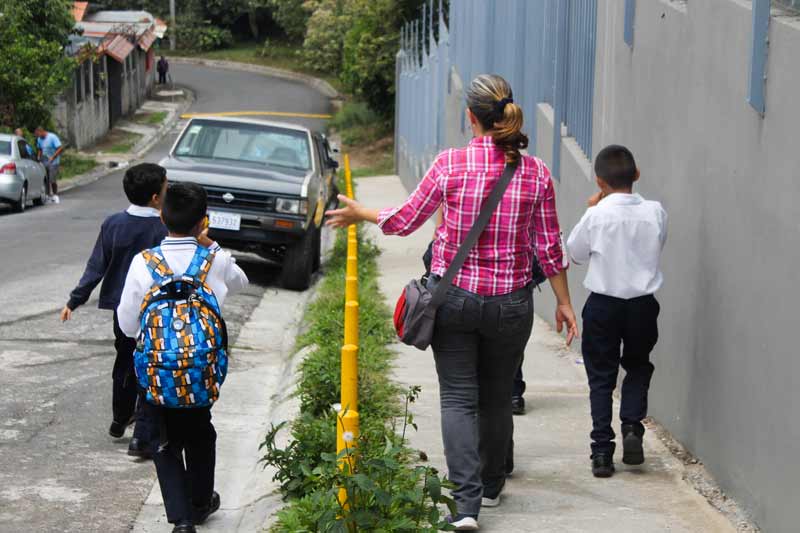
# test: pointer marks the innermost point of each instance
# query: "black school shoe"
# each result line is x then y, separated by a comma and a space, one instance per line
632, 449
201, 514
518, 405
117, 429
184, 527
137, 448
602, 465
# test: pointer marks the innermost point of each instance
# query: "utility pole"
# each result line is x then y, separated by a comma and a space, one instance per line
173, 26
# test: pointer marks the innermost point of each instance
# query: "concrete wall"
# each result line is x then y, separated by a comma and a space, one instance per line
82, 123
726, 381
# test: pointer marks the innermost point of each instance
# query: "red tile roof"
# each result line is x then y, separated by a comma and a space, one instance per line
79, 10
146, 40
118, 48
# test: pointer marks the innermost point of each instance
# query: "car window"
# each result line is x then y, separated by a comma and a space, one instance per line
5, 147
252, 143
23, 150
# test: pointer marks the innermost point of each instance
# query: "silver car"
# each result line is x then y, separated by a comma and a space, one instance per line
22, 177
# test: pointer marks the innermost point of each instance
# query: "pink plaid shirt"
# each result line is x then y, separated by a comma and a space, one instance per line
460, 180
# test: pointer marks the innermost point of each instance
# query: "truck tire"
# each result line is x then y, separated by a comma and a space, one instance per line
298, 263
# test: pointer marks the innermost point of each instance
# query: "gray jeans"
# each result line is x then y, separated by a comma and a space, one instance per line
478, 344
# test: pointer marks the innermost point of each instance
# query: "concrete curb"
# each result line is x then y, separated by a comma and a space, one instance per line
99, 173
319, 84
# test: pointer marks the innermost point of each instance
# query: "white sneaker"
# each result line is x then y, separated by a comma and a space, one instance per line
56, 199
466, 523
490, 502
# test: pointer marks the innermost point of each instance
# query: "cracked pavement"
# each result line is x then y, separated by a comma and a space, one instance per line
59, 469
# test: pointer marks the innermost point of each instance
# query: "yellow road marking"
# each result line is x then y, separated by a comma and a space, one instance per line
258, 113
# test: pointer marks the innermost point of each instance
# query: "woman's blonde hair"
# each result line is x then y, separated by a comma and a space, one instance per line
490, 99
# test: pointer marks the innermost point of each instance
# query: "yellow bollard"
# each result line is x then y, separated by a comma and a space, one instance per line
349, 397
347, 431
351, 289
348, 176
352, 266
351, 323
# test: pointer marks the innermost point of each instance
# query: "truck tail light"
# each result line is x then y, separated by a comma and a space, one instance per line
8, 168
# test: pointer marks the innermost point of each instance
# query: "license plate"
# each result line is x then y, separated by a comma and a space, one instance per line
222, 220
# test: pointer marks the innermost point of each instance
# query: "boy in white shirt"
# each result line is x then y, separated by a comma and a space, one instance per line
621, 235
187, 485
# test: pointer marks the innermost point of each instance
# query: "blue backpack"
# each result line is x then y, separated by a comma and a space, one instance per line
181, 354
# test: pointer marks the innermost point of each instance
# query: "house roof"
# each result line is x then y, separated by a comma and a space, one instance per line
79, 10
121, 16
118, 48
146, 40
100, 29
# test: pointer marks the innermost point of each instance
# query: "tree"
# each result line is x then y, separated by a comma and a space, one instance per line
292, 16
33, 68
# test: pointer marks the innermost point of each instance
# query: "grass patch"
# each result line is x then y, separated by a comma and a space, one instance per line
118, 142
386, 491
150, 119
73, 165
271, 53
366, 137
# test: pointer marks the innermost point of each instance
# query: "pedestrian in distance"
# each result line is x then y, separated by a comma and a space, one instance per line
49, 152
172, 304
121, 237
19, 132
483, 326
621, 236
162, 67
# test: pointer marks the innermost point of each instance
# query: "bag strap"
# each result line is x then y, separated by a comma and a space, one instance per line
487, 210
156, 264
200, 265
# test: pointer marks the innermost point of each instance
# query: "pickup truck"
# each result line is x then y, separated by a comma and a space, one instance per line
268, 186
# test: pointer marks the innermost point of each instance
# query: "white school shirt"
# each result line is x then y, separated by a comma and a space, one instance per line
621, 238
142, 211
224, 277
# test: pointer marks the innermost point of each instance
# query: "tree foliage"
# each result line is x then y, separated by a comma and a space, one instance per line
292, 16
33, 67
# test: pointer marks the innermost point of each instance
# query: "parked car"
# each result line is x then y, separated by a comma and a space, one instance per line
268, 186
23, 179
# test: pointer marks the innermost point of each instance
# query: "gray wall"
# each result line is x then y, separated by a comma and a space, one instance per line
82, 123
726, 381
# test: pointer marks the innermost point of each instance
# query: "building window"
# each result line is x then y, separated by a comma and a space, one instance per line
78, 85
86, 67
99, 72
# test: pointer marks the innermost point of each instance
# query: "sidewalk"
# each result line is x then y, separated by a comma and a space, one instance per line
552, 489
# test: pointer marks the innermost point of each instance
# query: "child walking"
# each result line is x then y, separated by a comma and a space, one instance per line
171, 304
621, 235
122, 236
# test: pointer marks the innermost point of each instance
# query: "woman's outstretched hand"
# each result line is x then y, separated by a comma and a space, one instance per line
345, 215
564, 313
351, 212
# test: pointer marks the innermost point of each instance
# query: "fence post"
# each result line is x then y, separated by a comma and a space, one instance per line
559, 85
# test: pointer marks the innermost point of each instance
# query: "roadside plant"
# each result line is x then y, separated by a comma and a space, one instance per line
385, 491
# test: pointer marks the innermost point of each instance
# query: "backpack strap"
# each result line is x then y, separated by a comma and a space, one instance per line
200, 265
156, 264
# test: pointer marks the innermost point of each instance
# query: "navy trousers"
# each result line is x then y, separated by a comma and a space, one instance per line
185, 459
126, 399
616, 333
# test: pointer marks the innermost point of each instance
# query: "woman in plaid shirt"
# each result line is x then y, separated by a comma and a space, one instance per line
482, 329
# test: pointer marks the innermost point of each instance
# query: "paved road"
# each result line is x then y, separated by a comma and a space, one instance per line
59, 469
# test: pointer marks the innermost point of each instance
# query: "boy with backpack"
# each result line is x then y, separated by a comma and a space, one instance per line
172, 304
621, 235
122, 236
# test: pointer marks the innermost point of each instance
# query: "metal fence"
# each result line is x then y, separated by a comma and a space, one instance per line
545, 49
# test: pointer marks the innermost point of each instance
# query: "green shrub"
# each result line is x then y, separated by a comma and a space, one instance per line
359, 125
292, 16
322, 47
200, 36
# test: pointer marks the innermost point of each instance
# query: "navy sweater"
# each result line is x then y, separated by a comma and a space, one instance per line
122, 236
